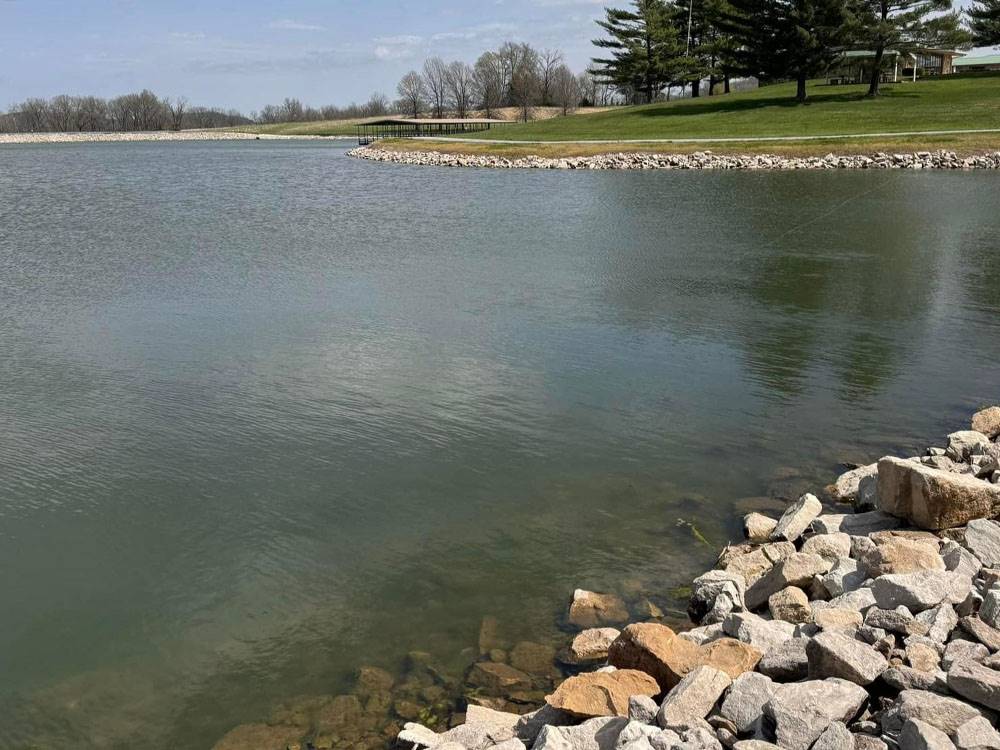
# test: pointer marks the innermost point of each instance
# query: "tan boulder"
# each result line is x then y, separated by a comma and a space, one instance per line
934, 499
592, 610
601, 693
753, 563
757, 527
791, 605
497, 678
837, 618
987, 421
591, 645
656, 650
730, 656
897, 554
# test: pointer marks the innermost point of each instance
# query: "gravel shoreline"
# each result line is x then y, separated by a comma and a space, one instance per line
697, 160
183, 135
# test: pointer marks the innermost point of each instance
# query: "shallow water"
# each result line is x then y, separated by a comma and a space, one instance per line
268, 413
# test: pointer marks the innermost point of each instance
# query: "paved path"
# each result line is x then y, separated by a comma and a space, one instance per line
745, 139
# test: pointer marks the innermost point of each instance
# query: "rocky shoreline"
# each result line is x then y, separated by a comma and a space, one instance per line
872, 629
697, 160
867, 621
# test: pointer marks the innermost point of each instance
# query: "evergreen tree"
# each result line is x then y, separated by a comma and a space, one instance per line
984, 22
795, 39
710, 50
905, 26
644, 45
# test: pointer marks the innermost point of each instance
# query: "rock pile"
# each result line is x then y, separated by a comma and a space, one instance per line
872, 630
697, 160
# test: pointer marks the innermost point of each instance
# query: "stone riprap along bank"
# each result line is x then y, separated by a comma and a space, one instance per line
873, 629
697, 160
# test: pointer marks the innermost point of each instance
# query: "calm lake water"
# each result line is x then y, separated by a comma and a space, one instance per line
268, 413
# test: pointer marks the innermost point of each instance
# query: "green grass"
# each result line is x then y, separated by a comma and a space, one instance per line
948, 103
323, 127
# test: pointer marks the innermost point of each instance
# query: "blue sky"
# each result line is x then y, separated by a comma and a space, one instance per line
249, 53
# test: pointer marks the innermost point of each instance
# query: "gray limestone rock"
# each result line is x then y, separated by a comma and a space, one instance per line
744, 705
919, 735
797, 518
921, 590
801, 711
832, 654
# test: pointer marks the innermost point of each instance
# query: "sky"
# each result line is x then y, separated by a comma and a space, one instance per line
247, 53
250, 53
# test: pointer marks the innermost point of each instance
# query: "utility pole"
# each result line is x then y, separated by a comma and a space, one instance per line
690, 14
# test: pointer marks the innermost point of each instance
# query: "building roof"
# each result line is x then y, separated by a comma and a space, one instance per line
430, 121
869, 53
981, 60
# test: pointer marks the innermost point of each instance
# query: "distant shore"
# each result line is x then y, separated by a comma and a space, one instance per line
161, 135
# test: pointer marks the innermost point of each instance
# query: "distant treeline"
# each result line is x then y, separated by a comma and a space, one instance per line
131, 112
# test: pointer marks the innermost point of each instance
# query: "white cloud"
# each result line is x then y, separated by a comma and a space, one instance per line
287, 24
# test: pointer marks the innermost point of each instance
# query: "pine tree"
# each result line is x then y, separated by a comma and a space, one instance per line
984, 22
905, 26
645, 47
795, 39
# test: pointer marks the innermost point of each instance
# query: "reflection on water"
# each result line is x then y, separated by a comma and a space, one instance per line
270, 414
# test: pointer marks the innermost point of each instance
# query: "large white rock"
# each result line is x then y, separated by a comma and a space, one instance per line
947, 714
977, 733
801, 711
797, 518
982, 539
845, 488
919, 735
931, 498
593, 734
716, 594
762, 634
832, 654
921, 590
975, 682
693, 697
744, 704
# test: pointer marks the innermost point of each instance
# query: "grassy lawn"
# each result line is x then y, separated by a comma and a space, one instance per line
323, 127
949, 103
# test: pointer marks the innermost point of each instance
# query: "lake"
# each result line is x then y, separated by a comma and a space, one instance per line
269, 414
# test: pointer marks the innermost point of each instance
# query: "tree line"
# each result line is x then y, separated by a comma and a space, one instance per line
139, 111
513, 75
655, 44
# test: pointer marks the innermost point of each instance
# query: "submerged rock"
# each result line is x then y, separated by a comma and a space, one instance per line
590, 610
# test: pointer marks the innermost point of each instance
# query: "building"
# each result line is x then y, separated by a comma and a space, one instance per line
983, 62
855, 66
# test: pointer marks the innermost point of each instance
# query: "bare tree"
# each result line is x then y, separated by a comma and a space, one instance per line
565, 89
412, 93
436, 79
459, 80
520, 63
61, 114
549, 61
377, 104
176, 110
292, 110
524, 91
489, 82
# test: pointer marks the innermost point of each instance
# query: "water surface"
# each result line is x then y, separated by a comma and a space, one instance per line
268, 413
